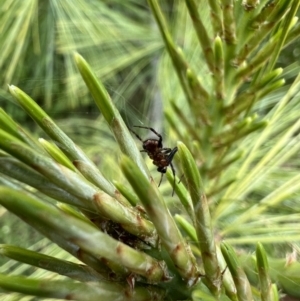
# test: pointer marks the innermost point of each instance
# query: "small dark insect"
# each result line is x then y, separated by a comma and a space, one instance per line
162, 156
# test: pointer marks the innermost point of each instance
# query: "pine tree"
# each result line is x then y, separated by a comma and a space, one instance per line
239, 132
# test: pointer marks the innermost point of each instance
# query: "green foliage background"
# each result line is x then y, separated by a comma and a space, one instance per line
253, 192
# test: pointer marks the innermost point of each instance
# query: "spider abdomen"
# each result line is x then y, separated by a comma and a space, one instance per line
160, 161
151, 146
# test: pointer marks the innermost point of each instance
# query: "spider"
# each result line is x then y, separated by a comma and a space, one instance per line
162, 156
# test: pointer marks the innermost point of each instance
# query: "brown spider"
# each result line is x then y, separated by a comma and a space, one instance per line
162, 156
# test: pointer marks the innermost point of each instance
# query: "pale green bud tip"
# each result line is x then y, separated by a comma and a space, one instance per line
43, 142
12, 88
294, 21
278, 71
14, 91
218, 43
77, 57
218, 46
179, 49
218, 40
275, 292
261, 257
80, 62
248, 120
189, 73
180, 144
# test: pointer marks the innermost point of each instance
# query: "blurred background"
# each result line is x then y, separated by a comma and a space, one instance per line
121, 42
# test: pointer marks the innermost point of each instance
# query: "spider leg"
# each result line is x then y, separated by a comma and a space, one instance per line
136, 135
166, 150
171, 155
173, 171
170, 158
160, 179
153, 131
181, 178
